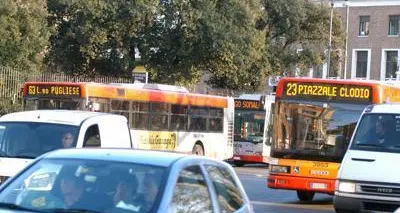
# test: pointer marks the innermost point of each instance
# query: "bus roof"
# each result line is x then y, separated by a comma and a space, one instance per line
139, 92
68, 117
378, 91
254, 97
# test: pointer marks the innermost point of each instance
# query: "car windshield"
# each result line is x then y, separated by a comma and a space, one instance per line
31, 139
314, 130
87, 186
378, 132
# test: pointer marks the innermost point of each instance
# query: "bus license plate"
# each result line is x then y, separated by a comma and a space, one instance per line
236, 158
318, 186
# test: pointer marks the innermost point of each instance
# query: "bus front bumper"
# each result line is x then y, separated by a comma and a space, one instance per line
251, 158
301, 183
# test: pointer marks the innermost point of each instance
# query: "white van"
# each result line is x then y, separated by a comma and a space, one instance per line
29, 134
369, 175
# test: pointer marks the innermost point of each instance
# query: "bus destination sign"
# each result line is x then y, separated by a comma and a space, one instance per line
46, 90
247, 104
324, 91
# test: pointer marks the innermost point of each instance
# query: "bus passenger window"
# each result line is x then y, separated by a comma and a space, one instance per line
178, 122
141, 121
198, 124
159, 122
215, 125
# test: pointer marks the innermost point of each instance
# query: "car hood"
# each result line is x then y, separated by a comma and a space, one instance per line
370, 166
2, 210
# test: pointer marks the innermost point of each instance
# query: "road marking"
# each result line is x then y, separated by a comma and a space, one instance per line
295, 206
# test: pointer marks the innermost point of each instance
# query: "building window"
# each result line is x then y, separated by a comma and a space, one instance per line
364, 26
391, 64
362, 64
394, 25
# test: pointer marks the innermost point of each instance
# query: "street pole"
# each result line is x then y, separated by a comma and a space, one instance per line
330, 43
347, 38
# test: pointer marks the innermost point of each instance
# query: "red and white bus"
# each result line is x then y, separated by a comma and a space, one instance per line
253, 124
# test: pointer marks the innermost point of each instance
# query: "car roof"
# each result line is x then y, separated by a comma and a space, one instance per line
149, 157
385, 108
70, 117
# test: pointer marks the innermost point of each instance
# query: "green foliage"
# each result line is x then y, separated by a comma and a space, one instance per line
238, 43
23, 33
216, 36
299, 25
6, 106
96, 36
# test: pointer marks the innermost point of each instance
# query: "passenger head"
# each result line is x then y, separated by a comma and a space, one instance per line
151, 186
125, 189
67, 140
72, 189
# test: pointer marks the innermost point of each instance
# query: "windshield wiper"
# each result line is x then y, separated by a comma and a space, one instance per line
368, 144
72, 210
17, 207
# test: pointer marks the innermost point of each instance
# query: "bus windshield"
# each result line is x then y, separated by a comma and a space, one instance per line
31, 139
312, 130
69, 104
249, 125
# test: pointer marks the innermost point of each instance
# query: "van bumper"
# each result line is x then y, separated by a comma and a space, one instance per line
353, 204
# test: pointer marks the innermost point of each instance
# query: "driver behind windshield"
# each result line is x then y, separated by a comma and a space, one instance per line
72, 189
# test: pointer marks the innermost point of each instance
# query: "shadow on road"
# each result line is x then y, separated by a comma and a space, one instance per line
317, 201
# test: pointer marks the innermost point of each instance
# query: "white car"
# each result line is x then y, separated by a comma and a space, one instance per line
126, 181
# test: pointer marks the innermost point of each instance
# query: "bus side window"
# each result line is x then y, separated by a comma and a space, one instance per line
92, 137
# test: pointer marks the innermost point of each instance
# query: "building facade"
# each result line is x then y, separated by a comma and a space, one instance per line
373, 38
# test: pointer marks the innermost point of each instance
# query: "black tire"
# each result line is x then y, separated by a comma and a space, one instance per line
198, 149
238, 163
305, 196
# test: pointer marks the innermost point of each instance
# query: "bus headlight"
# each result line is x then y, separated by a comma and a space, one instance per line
280, 169
346, 187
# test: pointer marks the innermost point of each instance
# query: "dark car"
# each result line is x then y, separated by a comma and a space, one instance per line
126, 181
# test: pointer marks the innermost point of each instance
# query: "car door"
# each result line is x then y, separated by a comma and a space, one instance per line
191, 192
230, 195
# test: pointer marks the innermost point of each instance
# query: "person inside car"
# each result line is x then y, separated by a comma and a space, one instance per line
72, 189
67, 140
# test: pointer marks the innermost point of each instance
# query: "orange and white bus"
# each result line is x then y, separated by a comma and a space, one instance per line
161, 117
314, 121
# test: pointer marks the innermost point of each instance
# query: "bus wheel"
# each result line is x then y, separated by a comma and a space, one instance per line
198, 149
238, 163
305, 196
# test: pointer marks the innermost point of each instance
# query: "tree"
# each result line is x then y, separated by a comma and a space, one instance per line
215, 36
297, 35
23, 33
96, 36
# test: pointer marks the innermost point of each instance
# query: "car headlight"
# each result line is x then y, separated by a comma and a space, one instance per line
346, 187
280, 169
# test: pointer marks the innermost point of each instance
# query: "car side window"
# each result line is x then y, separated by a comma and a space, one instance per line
228, 194
191, 193
92, 137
